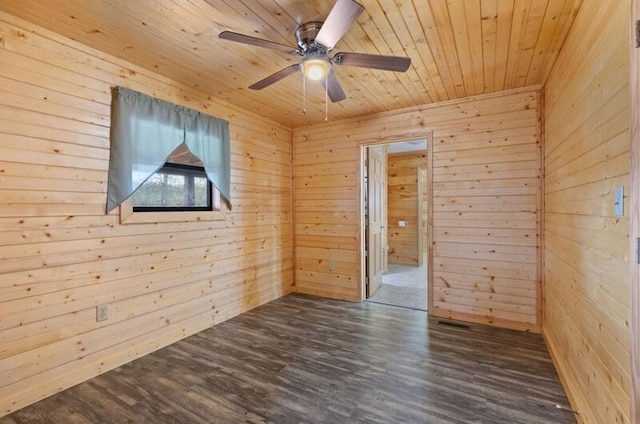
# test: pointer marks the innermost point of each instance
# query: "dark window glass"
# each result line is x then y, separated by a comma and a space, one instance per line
174, 187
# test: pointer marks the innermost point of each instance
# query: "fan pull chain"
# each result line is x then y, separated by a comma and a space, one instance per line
304, 95
326, 98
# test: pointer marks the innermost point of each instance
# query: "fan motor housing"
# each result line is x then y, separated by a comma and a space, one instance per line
306, 34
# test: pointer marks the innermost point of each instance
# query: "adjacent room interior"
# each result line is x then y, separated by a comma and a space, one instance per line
253, 287
404, 210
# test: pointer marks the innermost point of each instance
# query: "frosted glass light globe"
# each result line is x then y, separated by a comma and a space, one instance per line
316, 69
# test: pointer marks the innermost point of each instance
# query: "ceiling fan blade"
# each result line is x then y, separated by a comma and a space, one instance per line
247, 39
273, 78
373, 61
334, 89
341, 17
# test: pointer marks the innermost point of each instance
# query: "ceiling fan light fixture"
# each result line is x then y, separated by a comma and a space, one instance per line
315, 40
315, 69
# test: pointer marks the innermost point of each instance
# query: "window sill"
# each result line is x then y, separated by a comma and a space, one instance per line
127, 216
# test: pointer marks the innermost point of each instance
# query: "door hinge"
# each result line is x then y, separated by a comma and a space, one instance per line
637, 34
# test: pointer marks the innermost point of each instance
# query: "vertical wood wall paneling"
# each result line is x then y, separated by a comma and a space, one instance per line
634, 211
61, 255
586, 246
484, 182
402, 189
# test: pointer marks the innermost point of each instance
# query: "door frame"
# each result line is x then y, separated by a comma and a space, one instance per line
429, 187
421, 217
634, 212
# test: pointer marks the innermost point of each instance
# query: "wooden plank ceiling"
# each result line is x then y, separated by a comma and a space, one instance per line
458, 48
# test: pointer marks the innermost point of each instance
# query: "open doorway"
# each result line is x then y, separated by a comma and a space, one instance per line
395, 223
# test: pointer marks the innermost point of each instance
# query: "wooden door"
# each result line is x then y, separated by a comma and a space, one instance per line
385, 210
376, 215
420, 206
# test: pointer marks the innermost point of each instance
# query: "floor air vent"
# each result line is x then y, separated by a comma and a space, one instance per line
455, 324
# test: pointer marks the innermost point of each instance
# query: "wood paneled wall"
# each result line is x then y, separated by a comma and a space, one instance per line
634, 214
402, 191
486, 189
586, 245
61, 255
424, 217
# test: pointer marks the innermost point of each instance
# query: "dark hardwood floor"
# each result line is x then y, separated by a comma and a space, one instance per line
305, 360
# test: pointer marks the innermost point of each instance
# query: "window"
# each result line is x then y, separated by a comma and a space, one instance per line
166, 158
174, 188
179, 191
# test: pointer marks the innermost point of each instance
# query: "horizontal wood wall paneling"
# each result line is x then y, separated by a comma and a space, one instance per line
402, 205
81, 318
485, 187
614, 340
88, 278
62, 255
505, 320
614, 53
590, 168
486, 204
601, 127
586, 268
19, 261
418, 120
63, 263
485, 252
321, 241
69, 373
469, 282
498, 138
504, 303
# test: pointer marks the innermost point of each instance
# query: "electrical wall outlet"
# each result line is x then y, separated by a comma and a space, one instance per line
102, 313
618, 203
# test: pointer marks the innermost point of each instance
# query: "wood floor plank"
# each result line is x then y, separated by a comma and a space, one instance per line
305, 359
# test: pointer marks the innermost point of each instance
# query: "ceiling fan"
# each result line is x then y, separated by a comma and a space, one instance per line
315, 41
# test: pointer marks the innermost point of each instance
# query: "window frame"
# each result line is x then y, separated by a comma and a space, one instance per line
128, 216
189, 172
216, 212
